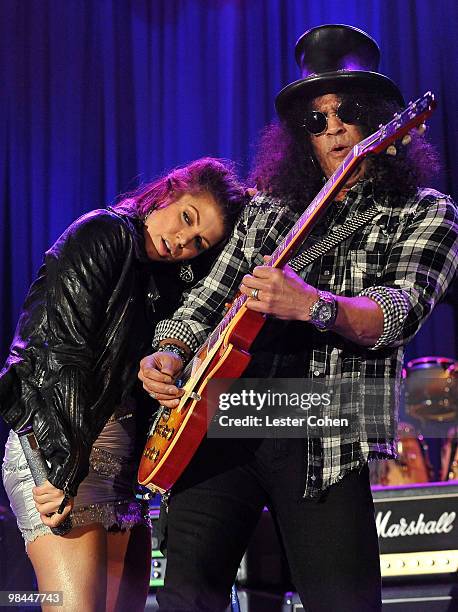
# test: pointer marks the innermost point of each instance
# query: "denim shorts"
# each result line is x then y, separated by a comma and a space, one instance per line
105, 496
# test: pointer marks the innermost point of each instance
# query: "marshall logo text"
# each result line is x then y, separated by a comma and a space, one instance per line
444, 524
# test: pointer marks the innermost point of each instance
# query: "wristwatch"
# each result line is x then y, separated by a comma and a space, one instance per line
323, 312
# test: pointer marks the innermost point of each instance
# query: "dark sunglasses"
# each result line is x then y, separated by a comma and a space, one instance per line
349, 111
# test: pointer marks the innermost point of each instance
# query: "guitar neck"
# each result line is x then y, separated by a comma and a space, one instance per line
401, 123
315, 210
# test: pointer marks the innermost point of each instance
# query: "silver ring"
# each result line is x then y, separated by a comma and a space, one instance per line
254, 294
153, 395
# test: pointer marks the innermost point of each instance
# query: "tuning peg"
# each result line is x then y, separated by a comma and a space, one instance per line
391, 150
407, 139
421, 129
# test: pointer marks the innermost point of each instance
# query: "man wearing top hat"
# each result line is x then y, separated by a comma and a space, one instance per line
348, 314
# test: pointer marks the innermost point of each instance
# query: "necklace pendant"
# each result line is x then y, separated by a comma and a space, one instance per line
186, 273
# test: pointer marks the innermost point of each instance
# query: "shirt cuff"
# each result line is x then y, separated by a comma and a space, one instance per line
179, 330
395, 306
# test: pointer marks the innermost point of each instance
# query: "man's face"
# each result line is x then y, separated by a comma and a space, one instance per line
333, 145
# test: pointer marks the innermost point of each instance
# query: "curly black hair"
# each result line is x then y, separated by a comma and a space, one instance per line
284, 163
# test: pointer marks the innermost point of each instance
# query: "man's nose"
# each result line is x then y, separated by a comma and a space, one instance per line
335, 124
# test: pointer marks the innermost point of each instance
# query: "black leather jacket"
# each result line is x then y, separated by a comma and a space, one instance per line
83, 329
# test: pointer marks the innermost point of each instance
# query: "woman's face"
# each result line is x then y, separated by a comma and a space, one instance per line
185, 228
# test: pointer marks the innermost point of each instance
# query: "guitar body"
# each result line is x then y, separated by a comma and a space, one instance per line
176, 434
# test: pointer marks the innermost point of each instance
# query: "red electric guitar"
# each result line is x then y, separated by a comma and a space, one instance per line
176, 434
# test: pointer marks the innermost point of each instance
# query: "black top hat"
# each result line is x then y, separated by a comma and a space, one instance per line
334, 58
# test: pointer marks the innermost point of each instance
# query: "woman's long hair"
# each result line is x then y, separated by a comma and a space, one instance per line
206, 175
284, 164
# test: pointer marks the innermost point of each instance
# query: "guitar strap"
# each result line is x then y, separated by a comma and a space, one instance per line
331, 240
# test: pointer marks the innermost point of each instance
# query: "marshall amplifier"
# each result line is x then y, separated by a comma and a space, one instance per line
417, 528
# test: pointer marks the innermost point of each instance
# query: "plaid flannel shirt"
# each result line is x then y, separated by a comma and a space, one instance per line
404, 260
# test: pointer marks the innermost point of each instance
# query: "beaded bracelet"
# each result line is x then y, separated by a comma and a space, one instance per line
173, 348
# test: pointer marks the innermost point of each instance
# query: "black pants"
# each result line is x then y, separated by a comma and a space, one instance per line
331, 543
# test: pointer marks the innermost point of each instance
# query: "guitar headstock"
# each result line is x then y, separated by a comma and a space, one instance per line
399, 127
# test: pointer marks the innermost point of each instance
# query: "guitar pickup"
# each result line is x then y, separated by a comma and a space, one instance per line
164, 431
151, 453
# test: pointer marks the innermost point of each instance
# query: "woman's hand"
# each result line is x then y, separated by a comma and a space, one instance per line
157, 373
47, 500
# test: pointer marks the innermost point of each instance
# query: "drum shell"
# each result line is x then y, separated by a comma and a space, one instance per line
431, 389
412, 465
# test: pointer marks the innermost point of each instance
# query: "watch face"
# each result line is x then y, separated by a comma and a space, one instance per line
324, 313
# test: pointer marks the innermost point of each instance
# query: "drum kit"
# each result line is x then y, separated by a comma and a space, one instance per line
431, 400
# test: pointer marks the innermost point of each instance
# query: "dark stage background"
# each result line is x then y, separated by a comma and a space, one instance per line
99, 95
